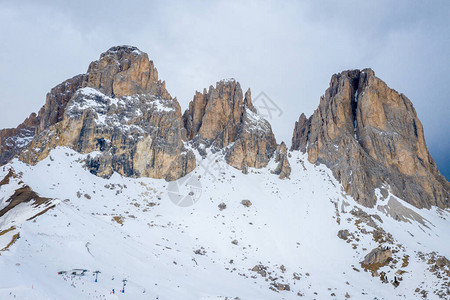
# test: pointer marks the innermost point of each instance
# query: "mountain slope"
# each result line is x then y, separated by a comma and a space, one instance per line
111, 177
131, 228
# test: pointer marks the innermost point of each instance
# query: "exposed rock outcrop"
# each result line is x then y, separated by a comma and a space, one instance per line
377, 258
260, 269
121, 108
283, 168
13, 140
246, 203
139, 135
214, 117
223, 119
22, 194
123, 112
369, 136
56, 101
301, 133
125, 70
343, 234
401, 213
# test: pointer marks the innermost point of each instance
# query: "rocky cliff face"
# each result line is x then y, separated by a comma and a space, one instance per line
301, 134
120, 110
56, 101
121, 113
138, 135
13, 140
283, 168
125, 70
214, 117
370, 137
223, 118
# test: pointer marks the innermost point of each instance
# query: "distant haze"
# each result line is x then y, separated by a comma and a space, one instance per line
286, 49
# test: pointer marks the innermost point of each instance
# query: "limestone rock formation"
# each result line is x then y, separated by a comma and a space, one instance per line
13, 140
246, 203
223, 119
377, 258
214, 117
370, 137
56, 101
125, 70
301, 131
139, 135
343, 234
283, 168
120, 110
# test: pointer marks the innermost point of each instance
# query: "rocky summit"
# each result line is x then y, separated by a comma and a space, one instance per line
111, 180
120, 112
125, 71
222, 118
370, 137
366, 133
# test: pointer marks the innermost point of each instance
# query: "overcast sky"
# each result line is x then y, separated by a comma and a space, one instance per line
286, 49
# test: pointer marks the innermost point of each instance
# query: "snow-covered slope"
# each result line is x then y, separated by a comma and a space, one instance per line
172, 241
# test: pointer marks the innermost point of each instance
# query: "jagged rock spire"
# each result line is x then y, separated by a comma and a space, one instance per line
223, 119
370, 137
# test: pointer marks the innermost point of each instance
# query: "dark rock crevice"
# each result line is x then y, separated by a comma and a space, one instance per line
362, 131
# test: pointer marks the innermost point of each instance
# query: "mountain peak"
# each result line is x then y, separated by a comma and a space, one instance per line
224, 118
125, 70
370, 137
261, 212
123, 49
227, 80
365, 132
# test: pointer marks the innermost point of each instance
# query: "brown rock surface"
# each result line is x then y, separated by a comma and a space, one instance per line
246, 203
283, 168
301, 132
223, 119
137, 131
214, 118
343, 234
369, 136
13, 140
125, 70
56, 101
376, 258
139, 135
150, 144
22, 194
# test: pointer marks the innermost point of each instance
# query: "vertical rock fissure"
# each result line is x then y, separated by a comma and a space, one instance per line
390, 148
354, 104
415, 128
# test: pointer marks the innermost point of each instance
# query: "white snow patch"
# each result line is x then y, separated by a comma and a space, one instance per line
291, 223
